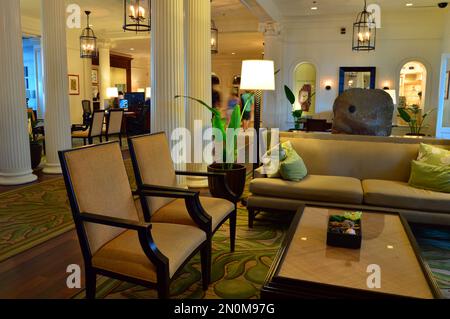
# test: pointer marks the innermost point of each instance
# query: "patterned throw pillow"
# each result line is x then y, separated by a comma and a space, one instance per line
433, 155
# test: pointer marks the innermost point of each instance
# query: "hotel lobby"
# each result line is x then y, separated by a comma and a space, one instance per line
225, 149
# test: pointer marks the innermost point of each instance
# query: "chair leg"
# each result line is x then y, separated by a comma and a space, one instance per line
206, 256
84, 141
91, 284
120, 140
251, 217
101, 139
233, 218
164, 289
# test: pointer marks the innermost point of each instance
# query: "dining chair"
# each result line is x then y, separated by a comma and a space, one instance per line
114, 125
114, 241
154, 169
95, 129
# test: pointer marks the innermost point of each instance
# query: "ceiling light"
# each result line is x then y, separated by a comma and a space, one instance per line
409, 4
314, 8
214, 38
137, 15
233, 53
88, 41
364, 31
131, 49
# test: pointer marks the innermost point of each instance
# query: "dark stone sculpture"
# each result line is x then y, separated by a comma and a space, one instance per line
363, 112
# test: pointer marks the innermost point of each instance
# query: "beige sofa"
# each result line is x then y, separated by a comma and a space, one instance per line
369, 173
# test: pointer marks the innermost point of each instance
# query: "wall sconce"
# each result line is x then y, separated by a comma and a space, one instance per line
386, 85
328, 85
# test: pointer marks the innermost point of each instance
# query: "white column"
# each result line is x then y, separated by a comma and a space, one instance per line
271, 114
57, 109
198, 76
104, 69
87, 72
15, 162
167, 66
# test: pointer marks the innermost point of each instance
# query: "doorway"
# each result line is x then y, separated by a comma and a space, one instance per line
413, 84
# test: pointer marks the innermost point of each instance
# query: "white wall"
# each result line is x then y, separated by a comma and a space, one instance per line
412, 35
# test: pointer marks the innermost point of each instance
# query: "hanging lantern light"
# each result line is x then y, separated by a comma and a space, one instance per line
364, 31
214, 38
137, 15
88, 41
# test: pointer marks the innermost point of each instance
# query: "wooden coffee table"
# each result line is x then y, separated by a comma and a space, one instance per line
306, 267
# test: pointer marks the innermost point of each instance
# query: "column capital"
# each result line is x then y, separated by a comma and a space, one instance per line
271, 28
104, 44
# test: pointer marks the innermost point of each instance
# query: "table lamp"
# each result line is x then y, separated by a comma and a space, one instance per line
258, 76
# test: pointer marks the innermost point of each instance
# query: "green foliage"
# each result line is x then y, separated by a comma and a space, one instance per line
289, 95
220, 124
412, 116
297, 114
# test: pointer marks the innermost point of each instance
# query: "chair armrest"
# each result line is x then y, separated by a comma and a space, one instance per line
191, 198
165, 191
115, 222
200, 174
144, 232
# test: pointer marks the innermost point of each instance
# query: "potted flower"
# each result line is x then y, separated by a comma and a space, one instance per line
236, 173
413, 116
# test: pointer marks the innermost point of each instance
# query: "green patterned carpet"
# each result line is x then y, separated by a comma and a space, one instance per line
35, 214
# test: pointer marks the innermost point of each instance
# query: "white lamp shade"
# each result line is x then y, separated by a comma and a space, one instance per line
258, 75
393, 95
112, 92
148, 93
141, 90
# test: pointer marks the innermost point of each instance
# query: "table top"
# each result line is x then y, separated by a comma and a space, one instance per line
387, 242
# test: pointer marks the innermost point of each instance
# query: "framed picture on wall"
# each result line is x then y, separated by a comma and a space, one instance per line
74, 84
94, 76
447, 86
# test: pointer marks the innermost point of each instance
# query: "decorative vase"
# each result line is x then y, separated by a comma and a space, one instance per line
235, 178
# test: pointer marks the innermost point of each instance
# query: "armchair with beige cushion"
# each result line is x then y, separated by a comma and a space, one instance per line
94, 130
114, 125
154, 170
114, 242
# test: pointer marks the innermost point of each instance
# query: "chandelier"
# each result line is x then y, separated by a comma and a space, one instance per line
137, 15
364, 31
88, 41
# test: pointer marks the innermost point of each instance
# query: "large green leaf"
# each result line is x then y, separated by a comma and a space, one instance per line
289, 94
404, 115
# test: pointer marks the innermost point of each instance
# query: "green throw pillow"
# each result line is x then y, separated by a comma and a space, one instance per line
430, 177
293, 168
433, 155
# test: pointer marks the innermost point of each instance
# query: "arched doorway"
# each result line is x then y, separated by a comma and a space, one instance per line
413, 84
305, 87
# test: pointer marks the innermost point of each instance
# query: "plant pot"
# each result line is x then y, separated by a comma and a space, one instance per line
36, 154
235, 178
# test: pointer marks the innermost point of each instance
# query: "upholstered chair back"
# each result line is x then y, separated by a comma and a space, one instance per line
115, 121
154, 165
97, 123
100, 186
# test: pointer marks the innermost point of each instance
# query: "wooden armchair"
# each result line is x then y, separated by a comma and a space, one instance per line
114, 242
114, 125
95, 129
154, 169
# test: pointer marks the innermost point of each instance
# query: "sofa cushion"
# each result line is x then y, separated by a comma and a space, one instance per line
313, 188
401, 195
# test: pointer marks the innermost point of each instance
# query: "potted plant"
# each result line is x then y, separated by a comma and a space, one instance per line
236, 173
35, 146
413, 116
296, 114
